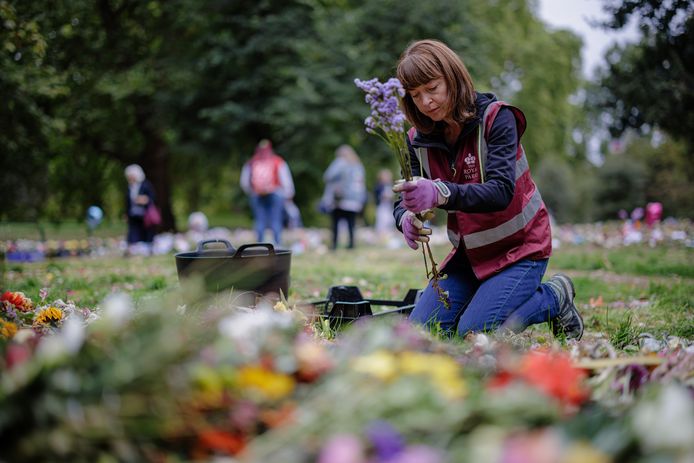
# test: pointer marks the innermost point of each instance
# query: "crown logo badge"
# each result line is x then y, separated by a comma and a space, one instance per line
469, 159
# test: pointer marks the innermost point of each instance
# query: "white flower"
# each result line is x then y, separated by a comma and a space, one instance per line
66, 341
118, 308
667, 422
249, 327
73, 334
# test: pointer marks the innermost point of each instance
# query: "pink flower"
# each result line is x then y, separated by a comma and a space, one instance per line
342, 448
541, 446
419, 454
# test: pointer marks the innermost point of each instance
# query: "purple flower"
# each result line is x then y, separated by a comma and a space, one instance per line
386, 120
631, 378
386, 440
384, 101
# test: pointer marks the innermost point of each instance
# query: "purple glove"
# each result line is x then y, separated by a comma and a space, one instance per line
412, 229
418, 195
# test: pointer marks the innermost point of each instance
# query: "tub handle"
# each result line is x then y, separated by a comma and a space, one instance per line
228, 247
270, 248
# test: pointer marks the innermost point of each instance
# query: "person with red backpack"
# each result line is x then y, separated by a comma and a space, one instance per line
468, 162
267, 181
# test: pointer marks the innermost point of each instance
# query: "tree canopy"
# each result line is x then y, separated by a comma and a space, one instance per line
186, 89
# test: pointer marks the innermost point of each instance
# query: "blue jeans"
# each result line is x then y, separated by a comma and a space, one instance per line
267, 212
513, 298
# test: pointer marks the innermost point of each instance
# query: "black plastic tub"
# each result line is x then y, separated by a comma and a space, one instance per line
257, 267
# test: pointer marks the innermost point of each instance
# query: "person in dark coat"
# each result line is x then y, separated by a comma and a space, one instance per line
139, 194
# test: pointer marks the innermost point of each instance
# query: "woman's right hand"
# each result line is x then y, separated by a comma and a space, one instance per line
414, 231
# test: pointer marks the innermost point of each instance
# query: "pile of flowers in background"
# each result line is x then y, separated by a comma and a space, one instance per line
168, 382
19, 314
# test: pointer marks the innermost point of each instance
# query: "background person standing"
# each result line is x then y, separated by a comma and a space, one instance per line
267, 181
139, 195
345, 191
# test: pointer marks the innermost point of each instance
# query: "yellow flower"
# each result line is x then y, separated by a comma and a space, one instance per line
380, 364
415, 363
269, 384
7, 329
443, 370
583, 452
49, 315
209, 386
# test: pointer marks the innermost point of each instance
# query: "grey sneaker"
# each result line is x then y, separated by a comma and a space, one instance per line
568, 321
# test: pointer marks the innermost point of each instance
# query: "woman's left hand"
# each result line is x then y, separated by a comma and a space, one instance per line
419, 195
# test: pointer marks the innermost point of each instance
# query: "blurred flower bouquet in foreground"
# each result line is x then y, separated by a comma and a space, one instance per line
163, 383
387, 121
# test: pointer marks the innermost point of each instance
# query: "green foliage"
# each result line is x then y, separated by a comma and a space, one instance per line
669, 173
26, 85
649, 84
621, 185
187, 90
559, 192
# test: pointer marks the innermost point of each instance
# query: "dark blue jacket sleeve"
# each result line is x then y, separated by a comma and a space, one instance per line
496, 193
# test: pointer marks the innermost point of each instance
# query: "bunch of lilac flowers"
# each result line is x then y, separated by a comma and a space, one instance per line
388, 122
386, 119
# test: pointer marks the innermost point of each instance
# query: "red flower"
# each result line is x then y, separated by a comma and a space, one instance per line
219, 441
18, 300
554, 374
500, 380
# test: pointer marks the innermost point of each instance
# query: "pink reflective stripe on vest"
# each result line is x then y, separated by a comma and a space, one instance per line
508, 228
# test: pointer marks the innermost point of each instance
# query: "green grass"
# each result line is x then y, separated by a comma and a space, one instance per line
107, 229
622, 292
59, 231
637, 260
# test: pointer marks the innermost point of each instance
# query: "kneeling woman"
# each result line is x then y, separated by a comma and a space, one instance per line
466, 148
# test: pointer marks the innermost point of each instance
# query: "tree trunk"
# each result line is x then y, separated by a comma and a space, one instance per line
155, 162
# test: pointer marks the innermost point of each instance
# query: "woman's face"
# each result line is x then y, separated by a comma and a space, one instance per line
431, 99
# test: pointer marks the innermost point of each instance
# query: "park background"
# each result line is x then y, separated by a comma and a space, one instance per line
111, 358
187, 88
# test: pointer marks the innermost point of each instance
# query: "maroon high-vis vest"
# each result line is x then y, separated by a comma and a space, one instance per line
492, 240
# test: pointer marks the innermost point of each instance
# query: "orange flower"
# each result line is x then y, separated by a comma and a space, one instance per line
554, 375
18, 300
219, 441
281, 416
313, 360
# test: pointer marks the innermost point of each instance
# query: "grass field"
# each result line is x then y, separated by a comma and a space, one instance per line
621, 292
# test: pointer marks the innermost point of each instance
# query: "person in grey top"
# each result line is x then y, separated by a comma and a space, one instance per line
345, 191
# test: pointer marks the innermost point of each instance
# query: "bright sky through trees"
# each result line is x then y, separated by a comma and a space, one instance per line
577, 15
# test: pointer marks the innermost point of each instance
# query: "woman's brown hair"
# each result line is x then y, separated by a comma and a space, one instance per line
426, 60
